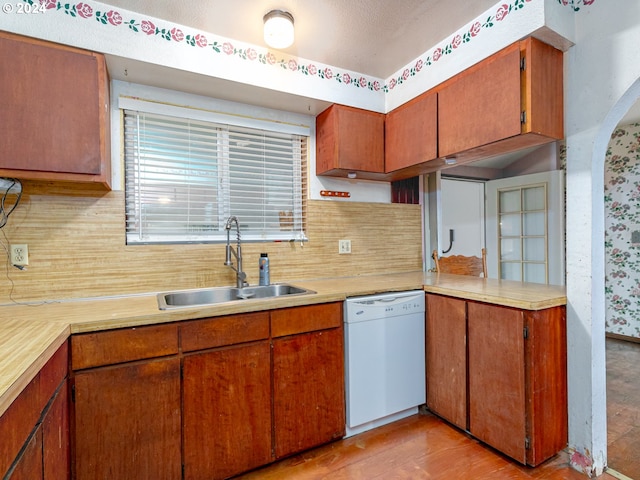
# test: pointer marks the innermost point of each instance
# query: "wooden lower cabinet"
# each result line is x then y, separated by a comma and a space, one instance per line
518, 380
308, 382
497, 404
208, 398
46, 455
35, 428
308, 377
55, 437
227, 411
516, 387
29, 464
446, 357
127, 421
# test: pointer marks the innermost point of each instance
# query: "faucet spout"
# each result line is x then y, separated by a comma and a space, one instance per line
237, 253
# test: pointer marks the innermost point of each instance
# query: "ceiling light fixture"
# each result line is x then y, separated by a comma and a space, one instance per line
278, 29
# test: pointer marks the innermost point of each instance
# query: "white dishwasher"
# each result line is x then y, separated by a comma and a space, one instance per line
384, 358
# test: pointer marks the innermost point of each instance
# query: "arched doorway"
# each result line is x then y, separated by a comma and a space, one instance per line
622, 280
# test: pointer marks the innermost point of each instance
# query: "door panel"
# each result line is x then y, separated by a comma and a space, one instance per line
447, 358
127, 422
497, 409
227, 411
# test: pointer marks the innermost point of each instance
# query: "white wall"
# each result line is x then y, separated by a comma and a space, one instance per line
463, 211
599, 69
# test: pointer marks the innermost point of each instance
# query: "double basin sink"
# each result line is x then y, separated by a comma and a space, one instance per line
211, 296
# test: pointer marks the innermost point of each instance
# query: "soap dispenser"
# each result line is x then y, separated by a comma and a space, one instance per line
263, 265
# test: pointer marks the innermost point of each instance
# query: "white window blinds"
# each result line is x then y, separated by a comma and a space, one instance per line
184, 177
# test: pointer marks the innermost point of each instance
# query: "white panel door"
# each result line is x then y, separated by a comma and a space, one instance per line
521, 245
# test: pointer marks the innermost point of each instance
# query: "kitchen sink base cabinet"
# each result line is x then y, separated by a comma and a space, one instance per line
515, 396
226, 414
208, 398
126, 404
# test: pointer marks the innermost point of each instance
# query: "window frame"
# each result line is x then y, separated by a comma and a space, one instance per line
227, 113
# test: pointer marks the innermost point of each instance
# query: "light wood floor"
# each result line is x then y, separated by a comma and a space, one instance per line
418, 447
623, 407
425, 447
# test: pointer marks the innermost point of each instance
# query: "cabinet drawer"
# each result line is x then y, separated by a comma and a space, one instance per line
291, 321
117, 346
221, 331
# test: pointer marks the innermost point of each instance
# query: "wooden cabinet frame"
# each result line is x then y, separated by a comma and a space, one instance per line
514, 396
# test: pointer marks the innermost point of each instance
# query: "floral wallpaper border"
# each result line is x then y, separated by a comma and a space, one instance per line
152, 28
575, 4
622, 219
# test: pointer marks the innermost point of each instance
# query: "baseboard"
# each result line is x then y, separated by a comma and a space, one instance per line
626, 338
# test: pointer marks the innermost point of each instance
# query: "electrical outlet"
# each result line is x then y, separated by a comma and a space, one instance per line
344, 246
19, 254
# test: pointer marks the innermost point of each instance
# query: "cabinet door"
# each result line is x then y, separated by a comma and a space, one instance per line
127, 421
446, 358
497, 407
55, 437
411, 132
54, 111
227, 411
308, 383
481, 105
29, 464
349, 139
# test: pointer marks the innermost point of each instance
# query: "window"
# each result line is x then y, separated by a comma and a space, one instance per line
522, 233
186, 174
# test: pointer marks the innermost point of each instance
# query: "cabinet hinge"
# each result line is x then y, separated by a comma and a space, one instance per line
527, 443
523, 63
526, 332
523, 117
73, 393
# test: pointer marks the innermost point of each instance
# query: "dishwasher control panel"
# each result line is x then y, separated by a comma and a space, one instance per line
384, 305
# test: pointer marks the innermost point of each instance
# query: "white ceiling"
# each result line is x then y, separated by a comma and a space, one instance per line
374, 37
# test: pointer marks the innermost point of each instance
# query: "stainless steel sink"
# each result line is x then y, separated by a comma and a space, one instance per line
212, 296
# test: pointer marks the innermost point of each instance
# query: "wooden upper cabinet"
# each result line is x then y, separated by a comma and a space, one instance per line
54, 112
510, 101
411, 134
350, 140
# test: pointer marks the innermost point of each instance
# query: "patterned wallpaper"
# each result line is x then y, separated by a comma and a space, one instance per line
622, 231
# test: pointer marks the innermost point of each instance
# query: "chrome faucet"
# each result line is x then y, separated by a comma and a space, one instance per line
240, 275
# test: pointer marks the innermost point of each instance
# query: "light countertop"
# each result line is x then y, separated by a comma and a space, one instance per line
30, 334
